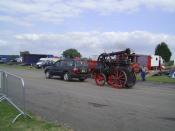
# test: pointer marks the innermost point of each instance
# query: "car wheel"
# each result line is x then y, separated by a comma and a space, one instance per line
82, 79
66, 76
48, 75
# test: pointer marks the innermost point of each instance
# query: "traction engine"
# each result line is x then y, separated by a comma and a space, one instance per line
115, 69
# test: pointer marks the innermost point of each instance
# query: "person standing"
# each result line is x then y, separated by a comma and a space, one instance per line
143, 73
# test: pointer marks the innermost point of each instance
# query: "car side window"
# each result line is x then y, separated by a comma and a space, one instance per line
69, 63
63, 63
57, 64
66, 63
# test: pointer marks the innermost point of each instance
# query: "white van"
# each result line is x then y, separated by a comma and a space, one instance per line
44, 61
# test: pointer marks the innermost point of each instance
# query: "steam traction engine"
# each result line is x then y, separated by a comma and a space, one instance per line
116, 69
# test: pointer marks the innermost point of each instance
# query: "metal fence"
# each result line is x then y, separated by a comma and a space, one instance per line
2, 85
12, 90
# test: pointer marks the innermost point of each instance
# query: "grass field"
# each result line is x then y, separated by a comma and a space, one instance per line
19, 67
159, 79
7, 113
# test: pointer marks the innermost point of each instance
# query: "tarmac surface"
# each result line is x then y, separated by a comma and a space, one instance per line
86, 107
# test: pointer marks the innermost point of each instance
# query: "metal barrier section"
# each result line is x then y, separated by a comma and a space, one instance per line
1, 82
2, 85
12, 90
15, 90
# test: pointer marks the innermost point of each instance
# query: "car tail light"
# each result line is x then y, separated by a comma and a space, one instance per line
76, 70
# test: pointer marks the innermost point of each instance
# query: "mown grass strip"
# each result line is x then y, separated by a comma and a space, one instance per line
7, 113
19, 67
159, 79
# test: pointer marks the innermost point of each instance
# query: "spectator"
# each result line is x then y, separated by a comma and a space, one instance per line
143, 73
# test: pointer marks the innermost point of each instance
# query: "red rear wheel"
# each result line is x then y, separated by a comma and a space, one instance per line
100, 79
117, 79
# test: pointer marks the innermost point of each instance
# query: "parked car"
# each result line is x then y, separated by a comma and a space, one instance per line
68, 69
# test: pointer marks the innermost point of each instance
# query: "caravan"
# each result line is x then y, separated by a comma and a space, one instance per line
152, 62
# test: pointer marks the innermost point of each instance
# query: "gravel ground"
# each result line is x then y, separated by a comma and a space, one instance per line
87, 107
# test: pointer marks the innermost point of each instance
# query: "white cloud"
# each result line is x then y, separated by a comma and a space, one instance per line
56, 11
2, 42
15, 20
168, 5
88, 43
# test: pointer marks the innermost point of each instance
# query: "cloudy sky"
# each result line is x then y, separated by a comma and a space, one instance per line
91, 26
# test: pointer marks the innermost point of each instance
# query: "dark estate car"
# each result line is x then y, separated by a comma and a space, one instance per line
68, 69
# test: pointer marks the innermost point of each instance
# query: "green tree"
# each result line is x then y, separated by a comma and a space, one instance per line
163, 50
71, 53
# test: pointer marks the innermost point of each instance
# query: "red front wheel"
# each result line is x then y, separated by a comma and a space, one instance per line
117, 79
100, 79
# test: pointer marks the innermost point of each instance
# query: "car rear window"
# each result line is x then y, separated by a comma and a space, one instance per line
81, 63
